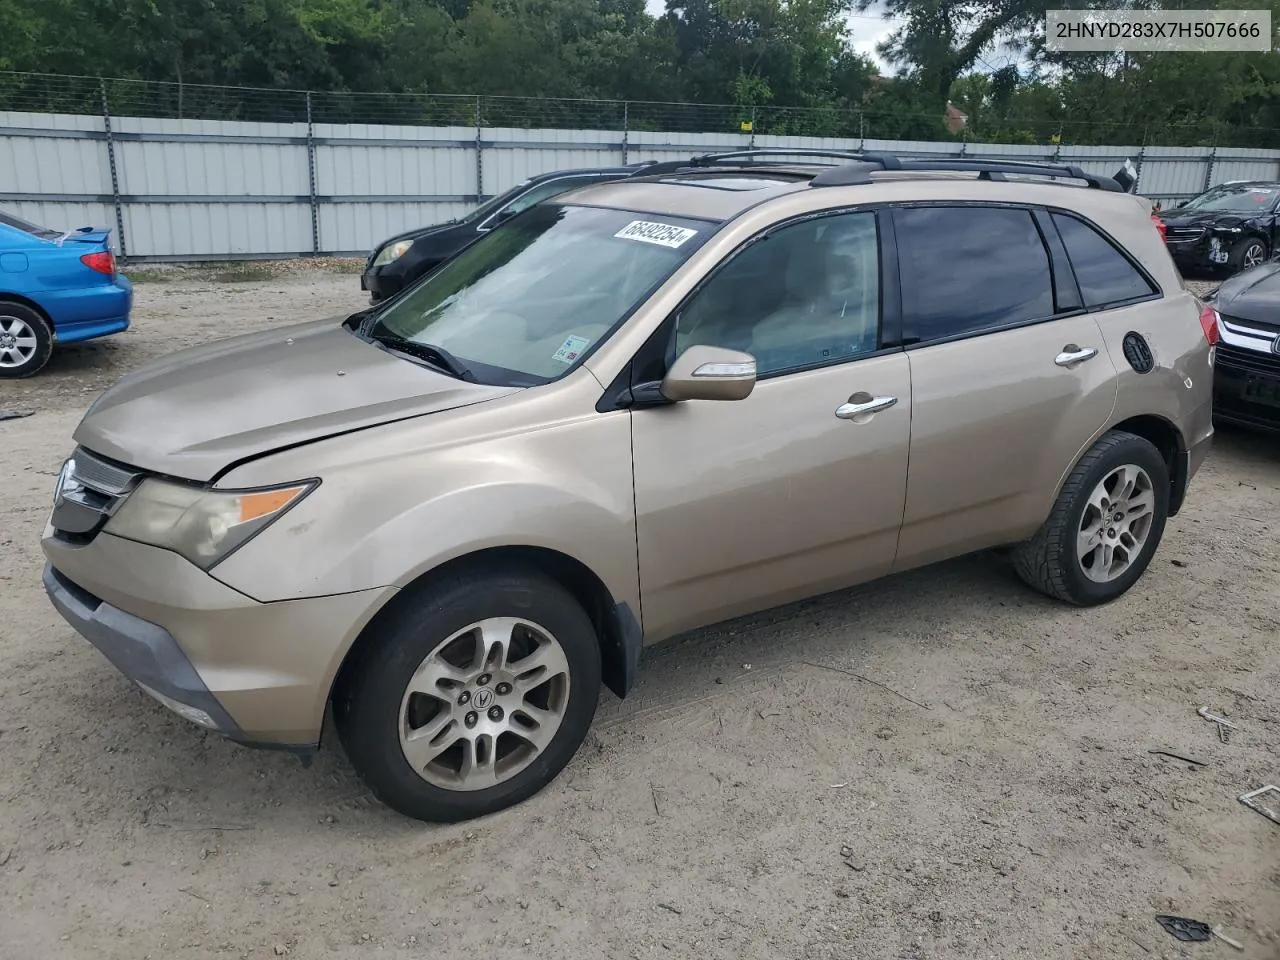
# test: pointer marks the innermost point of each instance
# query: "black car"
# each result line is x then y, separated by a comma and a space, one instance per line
398, 261
1232, 226
1246, 378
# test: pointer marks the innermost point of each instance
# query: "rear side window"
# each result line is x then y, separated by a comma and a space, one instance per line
1105, 275
966, 270
19, 224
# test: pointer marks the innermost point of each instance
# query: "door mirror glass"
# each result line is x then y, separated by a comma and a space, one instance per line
710, 373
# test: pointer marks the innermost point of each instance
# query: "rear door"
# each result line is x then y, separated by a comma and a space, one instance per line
1011, 380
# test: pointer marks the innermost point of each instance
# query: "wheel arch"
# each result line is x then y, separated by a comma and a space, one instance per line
618, 629
1168, 439
7, 296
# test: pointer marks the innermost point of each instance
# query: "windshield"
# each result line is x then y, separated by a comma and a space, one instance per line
1235, 198
524, 303
494, 203
19, 224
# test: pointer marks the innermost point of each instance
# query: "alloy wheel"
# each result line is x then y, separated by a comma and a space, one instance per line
18, 342
1116, 523
484, 704
1253, 255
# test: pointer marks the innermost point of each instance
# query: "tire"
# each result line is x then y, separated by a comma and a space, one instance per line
1051, 560
26, 341
377, 716
1247, 253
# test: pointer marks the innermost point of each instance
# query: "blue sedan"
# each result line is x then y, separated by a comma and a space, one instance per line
55, 288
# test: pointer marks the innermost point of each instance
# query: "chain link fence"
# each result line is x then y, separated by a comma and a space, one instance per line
47, 93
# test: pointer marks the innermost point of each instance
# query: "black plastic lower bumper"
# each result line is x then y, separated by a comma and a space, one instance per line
145, 653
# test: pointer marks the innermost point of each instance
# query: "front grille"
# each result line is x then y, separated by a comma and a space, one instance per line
1247, 361
1250, 328
1183, 234
90, 490
100, 475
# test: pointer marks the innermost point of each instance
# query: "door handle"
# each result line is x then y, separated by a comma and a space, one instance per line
1071, 355
851, 410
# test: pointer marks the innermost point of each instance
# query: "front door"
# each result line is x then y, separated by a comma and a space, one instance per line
798, 489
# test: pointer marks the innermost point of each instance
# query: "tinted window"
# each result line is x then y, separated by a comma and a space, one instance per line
544, 191
19, 224
1104, 274
968, 269
805, 295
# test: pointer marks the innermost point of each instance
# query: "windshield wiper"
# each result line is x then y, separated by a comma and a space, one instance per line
438, 357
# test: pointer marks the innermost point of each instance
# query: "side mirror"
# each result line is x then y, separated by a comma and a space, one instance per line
503, 215
710, 373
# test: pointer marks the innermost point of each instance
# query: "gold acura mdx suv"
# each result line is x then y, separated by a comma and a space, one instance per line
637, 409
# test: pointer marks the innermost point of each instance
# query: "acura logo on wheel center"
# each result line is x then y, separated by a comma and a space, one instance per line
482, 699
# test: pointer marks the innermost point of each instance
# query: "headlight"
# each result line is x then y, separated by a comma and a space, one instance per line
392, 251
199, 524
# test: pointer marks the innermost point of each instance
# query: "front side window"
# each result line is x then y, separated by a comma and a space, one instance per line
968, 270
805, 295
524, 303
1105, 274
545, 191
494, 203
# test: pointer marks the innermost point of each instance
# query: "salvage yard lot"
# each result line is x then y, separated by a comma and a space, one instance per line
990, 794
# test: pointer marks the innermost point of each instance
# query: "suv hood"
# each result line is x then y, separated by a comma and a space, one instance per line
200, 410
1253, 295
1204, 218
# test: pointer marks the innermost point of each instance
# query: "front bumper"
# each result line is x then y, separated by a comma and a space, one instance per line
1246, 387
258, 673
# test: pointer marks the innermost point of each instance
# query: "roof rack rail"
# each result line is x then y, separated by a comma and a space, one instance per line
859, 171
710, 160
858, 167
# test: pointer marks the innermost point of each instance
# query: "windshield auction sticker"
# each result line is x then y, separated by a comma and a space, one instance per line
663, 234
571, 349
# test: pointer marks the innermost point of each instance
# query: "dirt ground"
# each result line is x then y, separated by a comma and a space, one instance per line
987, 792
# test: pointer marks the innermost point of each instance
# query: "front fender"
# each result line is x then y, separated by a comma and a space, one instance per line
385, 520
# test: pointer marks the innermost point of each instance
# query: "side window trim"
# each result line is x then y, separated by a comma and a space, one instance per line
891, 336
1067, 295
1030, 209
1157, 292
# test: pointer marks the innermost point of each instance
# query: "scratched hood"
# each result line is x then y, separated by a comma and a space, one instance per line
200, 410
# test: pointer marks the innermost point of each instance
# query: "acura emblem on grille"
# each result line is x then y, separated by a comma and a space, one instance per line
1275, 346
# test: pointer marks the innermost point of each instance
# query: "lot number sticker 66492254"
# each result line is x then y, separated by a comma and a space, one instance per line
663, 234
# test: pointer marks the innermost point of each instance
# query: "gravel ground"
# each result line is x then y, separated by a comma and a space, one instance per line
987, 791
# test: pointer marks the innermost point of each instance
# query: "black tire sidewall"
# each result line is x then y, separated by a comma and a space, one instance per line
1238, 252
44, 340
368, 721
1130, 450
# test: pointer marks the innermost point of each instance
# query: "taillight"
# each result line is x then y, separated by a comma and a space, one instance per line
1209, 323
104, 261
1160, 227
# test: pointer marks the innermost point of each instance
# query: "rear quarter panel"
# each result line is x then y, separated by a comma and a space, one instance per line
1179, 388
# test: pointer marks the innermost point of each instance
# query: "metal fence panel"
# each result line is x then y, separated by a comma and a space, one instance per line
182, 188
